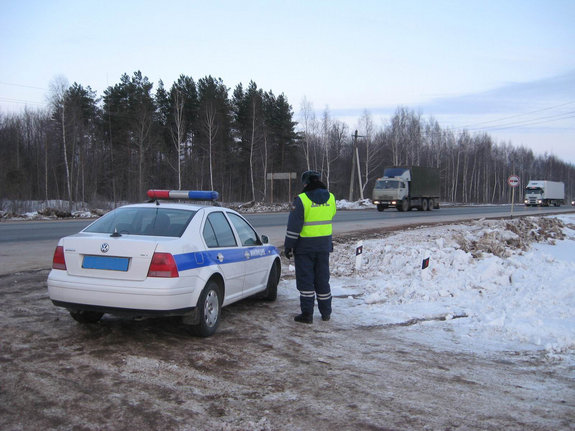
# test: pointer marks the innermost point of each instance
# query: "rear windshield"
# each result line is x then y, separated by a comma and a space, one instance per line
143, 221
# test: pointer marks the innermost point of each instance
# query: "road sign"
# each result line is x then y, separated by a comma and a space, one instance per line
513, 180
282, 176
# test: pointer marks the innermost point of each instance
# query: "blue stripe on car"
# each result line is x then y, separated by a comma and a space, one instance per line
200, 259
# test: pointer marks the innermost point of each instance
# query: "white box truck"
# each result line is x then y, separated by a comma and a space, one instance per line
407, 187
544, 193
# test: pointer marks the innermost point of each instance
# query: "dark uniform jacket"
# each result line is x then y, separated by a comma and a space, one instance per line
318, 193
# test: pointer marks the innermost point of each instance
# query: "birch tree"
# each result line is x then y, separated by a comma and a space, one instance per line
58, 87
309, 123
371, 161
213, 131
183, 115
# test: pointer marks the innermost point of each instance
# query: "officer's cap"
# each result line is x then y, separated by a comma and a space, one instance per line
308, 176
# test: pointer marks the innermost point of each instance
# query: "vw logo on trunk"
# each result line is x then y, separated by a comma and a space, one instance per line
105, 247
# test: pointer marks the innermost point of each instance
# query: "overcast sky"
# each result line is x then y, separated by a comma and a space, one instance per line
506, 67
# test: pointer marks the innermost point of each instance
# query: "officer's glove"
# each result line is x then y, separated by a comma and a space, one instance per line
288, 252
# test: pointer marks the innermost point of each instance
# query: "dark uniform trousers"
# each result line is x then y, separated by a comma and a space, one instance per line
312, 277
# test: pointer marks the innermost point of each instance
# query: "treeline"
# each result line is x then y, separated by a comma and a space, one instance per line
203, 135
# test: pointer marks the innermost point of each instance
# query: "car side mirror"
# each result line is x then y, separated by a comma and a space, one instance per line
265, 239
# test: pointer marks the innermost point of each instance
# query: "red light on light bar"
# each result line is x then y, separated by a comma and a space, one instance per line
159, 194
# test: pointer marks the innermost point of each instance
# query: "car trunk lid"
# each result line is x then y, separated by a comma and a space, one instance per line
125, 257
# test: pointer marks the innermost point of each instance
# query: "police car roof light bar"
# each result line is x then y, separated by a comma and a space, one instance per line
196, 195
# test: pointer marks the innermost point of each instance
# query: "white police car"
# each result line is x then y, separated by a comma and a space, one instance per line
167, 259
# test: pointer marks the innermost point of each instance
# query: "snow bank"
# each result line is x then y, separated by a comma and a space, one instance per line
357, 205
500, 283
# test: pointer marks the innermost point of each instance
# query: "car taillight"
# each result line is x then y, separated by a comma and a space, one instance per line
163, 265
58, 261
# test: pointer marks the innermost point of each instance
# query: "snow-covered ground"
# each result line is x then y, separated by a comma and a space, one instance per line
490, 284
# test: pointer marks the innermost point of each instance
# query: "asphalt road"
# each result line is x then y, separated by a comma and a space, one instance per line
25, 231
29, 245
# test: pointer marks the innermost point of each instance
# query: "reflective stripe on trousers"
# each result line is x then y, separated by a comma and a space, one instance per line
312, 277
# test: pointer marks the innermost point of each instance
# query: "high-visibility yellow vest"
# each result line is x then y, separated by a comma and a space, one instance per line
317, 217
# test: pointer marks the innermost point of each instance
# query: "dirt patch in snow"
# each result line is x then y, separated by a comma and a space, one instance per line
507, 237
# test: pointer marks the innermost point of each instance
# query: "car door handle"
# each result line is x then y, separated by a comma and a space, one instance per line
220, 257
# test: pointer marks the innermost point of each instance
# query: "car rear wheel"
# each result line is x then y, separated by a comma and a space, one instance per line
83, 316
209, 309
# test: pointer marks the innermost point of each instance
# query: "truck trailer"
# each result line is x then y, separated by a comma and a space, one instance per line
407, 187
544, 193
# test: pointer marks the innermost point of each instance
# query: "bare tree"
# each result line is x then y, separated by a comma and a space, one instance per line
179, 133
325, 141
371, 150
210, 126
58, 87
309, 128
143, 127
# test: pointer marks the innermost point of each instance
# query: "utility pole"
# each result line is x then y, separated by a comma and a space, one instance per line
354, 162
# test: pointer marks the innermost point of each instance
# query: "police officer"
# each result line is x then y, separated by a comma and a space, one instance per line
308, 238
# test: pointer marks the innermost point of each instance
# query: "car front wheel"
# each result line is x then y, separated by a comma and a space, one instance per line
271, 292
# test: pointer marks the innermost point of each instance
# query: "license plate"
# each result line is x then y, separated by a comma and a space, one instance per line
108, 263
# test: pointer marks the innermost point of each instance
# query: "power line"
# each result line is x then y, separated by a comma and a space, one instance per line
519, 115
527, 121
531, 122
22, 101
12, 100
518, 124
22, 85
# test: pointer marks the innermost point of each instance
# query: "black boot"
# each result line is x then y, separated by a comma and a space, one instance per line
303, 318
325, 317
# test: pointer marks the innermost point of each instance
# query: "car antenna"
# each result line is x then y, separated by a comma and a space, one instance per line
116, 234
